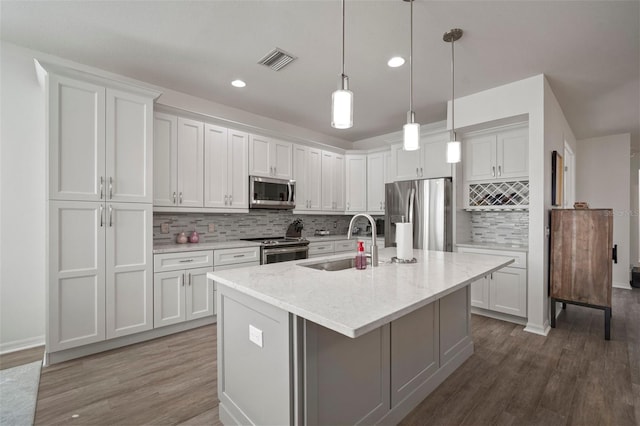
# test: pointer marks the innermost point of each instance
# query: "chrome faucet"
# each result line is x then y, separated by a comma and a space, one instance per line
374, 245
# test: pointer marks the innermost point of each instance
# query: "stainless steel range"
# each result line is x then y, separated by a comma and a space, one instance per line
281, 249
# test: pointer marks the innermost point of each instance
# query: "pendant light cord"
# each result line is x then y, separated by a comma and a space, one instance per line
343, 32
453, 91
411, 59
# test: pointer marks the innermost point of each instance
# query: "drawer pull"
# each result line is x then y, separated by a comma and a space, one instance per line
185, 260
239, 255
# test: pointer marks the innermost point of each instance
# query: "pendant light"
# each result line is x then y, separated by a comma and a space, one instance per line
342, 99
411, 130
453, 146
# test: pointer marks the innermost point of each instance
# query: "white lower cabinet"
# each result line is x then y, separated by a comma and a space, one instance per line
181, 289
504, 291
100, 272
322, 248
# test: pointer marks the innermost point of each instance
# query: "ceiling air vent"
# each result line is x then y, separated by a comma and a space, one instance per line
277, 59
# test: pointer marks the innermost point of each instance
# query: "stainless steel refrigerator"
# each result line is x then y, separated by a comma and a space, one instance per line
427, 204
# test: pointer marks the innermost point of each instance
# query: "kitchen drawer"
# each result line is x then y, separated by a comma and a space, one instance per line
345, 246
183, 260
520, 257
235, 255
323, 248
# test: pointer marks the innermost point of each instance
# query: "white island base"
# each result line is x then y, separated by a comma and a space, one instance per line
307, 347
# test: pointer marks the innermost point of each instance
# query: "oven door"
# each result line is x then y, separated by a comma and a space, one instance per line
284, 254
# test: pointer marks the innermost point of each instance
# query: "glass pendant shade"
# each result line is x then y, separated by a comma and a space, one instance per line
411, 136
454, 151
342, 109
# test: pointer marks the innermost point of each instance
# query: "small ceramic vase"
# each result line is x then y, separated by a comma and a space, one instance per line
181, 238
194, 237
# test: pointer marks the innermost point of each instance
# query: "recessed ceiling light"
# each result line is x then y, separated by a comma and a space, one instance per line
238, 83
396, 61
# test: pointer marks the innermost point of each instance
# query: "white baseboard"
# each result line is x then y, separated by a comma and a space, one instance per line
19, 345
625, 286
536, 329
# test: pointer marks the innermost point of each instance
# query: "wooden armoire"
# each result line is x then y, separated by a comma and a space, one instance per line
580, 260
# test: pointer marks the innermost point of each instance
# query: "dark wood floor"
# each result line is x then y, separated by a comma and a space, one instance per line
571, 377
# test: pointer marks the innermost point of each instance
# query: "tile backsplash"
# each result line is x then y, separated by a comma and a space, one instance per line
506, 227
255, 224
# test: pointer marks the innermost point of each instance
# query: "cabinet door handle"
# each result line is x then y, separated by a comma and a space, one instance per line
180, 197
110, 215
111, 187
189, 278
499, 170
275, 170
348, 206
183, 279
174, 197
101, 187
226, 200
493, 171
421, 174
417, 174
230, 200
101, 215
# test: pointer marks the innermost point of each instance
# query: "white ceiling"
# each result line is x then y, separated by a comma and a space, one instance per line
589, 50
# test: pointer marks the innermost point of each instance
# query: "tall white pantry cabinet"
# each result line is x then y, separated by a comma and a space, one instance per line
100, 265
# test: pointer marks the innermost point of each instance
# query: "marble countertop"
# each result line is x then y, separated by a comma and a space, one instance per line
353, 302
174, 248
495, 246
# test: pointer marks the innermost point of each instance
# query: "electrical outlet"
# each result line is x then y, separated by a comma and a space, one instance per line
255, 335
211, 227
164, 228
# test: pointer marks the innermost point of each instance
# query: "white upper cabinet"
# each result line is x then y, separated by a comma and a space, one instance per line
76, 139
270, 157
430, 161
376, 182
333, 172
226, 179
165, 159
129, 147
356, 183
190, 163
434, 156
407, 164
307, 172
494, 155
100, 142
513, 153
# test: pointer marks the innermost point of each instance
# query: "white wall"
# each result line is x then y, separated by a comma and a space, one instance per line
22, 212
603, 181
634, 250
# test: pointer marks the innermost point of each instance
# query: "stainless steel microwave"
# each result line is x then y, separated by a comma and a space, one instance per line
270, 193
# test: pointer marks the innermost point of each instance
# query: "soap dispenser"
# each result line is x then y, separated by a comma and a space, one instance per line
361, 258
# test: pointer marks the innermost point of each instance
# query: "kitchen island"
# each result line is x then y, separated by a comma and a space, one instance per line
298, 345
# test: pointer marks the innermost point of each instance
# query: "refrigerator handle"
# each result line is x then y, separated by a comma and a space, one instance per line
615, 254
412, 197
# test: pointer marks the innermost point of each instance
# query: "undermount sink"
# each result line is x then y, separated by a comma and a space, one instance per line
334, 265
